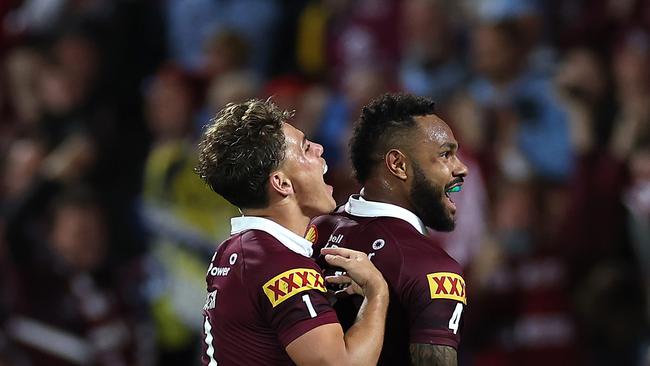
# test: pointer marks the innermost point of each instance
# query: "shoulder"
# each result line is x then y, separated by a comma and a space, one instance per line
321, 227
432, 270
330, 220
425, 254
276, 271
263, 253
427, 251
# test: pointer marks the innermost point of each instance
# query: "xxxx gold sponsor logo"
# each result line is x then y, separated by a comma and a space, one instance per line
447, 285
291, 282
312, 234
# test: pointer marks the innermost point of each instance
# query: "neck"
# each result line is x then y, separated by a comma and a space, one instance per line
381, 190
283, 213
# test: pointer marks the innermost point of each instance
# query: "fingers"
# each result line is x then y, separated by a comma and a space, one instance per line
366, 279
342, 257
352, 290
337, 260
338, 284
339, 280
346, 284
343, 252
347, 292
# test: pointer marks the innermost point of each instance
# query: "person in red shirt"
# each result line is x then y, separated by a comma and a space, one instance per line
405, 158
266, 298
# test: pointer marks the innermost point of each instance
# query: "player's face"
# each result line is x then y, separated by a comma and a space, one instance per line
436, 170
305, 167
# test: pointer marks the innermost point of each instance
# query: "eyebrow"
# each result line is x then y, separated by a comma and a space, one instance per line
450, 145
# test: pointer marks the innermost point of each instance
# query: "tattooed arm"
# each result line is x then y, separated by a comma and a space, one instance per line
432, 355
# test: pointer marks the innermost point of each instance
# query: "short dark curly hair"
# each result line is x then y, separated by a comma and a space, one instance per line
386, 121
240, 148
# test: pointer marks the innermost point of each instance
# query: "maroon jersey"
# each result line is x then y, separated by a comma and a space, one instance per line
264, 291
427, 290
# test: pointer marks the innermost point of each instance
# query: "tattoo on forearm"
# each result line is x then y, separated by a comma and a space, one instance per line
432, 355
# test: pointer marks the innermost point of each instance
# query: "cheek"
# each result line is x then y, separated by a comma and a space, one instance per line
303, 181
441, 173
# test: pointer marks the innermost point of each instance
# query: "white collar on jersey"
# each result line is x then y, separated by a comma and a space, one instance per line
285, 236
357, 206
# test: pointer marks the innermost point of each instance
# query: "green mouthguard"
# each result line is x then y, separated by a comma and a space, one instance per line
455, 189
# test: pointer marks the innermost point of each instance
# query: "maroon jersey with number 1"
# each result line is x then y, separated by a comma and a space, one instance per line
427, 290
264, 291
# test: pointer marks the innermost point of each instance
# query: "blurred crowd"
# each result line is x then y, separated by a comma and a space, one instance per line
105, 231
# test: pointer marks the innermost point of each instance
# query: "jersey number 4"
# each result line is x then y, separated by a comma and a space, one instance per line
454, 322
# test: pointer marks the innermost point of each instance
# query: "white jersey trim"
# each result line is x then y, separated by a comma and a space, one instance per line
285, 236
358, 206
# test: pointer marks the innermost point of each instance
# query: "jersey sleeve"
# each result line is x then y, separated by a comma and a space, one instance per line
294, 299
434, 300
430, 287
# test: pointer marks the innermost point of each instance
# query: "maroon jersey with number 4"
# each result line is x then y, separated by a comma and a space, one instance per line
427, 290
264, 291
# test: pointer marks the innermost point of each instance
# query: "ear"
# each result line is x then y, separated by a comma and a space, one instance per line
280, 183
396, 163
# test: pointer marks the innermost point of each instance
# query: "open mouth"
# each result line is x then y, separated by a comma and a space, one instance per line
329, 187
454, 188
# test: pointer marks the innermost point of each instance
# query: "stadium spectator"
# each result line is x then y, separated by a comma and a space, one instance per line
531, 136
430, 60
181, 216
68, 303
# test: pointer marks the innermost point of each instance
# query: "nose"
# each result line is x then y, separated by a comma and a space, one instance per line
460, 170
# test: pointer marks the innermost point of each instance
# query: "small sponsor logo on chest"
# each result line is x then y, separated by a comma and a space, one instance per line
210, 300
218, 271
335, 239
222, 271
312, 234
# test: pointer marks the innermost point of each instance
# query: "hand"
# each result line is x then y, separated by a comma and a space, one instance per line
361, 275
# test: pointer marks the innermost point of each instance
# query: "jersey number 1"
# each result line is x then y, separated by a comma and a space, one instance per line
310, 307
454, 322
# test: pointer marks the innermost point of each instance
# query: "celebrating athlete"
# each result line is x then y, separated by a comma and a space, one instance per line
266, 301
405, 157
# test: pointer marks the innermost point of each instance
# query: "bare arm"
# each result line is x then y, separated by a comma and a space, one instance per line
432, 355
361, 344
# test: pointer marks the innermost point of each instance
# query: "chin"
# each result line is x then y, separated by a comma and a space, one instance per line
445, 224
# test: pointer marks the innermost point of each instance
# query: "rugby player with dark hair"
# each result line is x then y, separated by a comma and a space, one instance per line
405, 158
266, 301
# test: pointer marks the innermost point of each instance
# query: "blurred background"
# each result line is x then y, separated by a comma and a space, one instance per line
105, 232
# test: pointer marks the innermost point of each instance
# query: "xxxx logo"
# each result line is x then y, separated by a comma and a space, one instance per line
447, 285
291, 282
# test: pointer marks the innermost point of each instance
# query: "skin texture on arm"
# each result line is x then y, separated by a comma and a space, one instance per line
432, 355
327, 345
323, 345
361, 344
